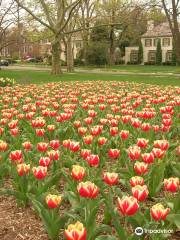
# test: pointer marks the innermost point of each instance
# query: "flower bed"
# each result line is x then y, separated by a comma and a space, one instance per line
95, 160
6, 82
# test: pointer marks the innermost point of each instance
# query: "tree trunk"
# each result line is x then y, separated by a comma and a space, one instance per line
177, 48
56, 61
112, 48
70, 57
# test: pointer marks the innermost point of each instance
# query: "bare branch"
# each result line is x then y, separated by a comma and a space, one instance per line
34, 16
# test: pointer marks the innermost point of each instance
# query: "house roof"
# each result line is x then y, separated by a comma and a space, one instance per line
160, 30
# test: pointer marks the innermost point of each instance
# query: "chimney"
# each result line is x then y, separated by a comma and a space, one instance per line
150, 25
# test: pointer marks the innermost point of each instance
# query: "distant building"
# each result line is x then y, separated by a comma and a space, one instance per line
23, 47
149, 41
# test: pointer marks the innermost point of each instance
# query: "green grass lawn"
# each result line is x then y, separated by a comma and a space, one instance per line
139, 68
27, 77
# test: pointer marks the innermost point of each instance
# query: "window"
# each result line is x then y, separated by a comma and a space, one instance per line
148, 42
169, 56
166, 42
156, 41
134, 56
152, 56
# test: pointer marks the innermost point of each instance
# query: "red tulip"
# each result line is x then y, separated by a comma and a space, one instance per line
134, 152
87, 189
3, 146
158, 212
110, 178
88, 139
124, 134
158, 153
39, 172
78, 172
75, 232
102, 141
113, 131
16, 155
44, 161
93, 160
127, 205
53, 201
148, 157
54, 144
23, 169
140, 192
85, 153
142, 142
114, 153
136, 180
140, 168
42, 146
171, 184
27, 145
74, 146
162, 144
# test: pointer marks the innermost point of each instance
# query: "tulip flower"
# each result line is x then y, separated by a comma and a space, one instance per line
23, 169
44, 161
158, 153
42, 146
134, 152
27, 145
53, 201
136, 180
110, 178
162, 144
78, 172
124, 134
114, 153
3, 146
148, 157
53, 155
127, 205
54, 144
39, 172
16, 155
158, 212
66, 143
88, 139
113, 131
140, 168
74, 146
140, 192
85, 153
142, 142
93, 160
102, 141
82, 131
87, 189
14, 132
171, 184
75, 232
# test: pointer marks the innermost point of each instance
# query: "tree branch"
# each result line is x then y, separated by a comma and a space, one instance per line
46, 11
34, 16
101, 25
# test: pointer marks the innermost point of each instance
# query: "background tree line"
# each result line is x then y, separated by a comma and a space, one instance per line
106, 27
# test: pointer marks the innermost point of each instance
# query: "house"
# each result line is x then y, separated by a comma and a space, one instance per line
149, 41
23, 47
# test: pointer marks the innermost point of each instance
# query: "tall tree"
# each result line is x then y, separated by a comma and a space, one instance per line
159, 53
7, 19
55, 16
172, 10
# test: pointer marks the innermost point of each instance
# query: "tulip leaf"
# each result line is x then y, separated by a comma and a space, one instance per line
174, 218
156, 178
